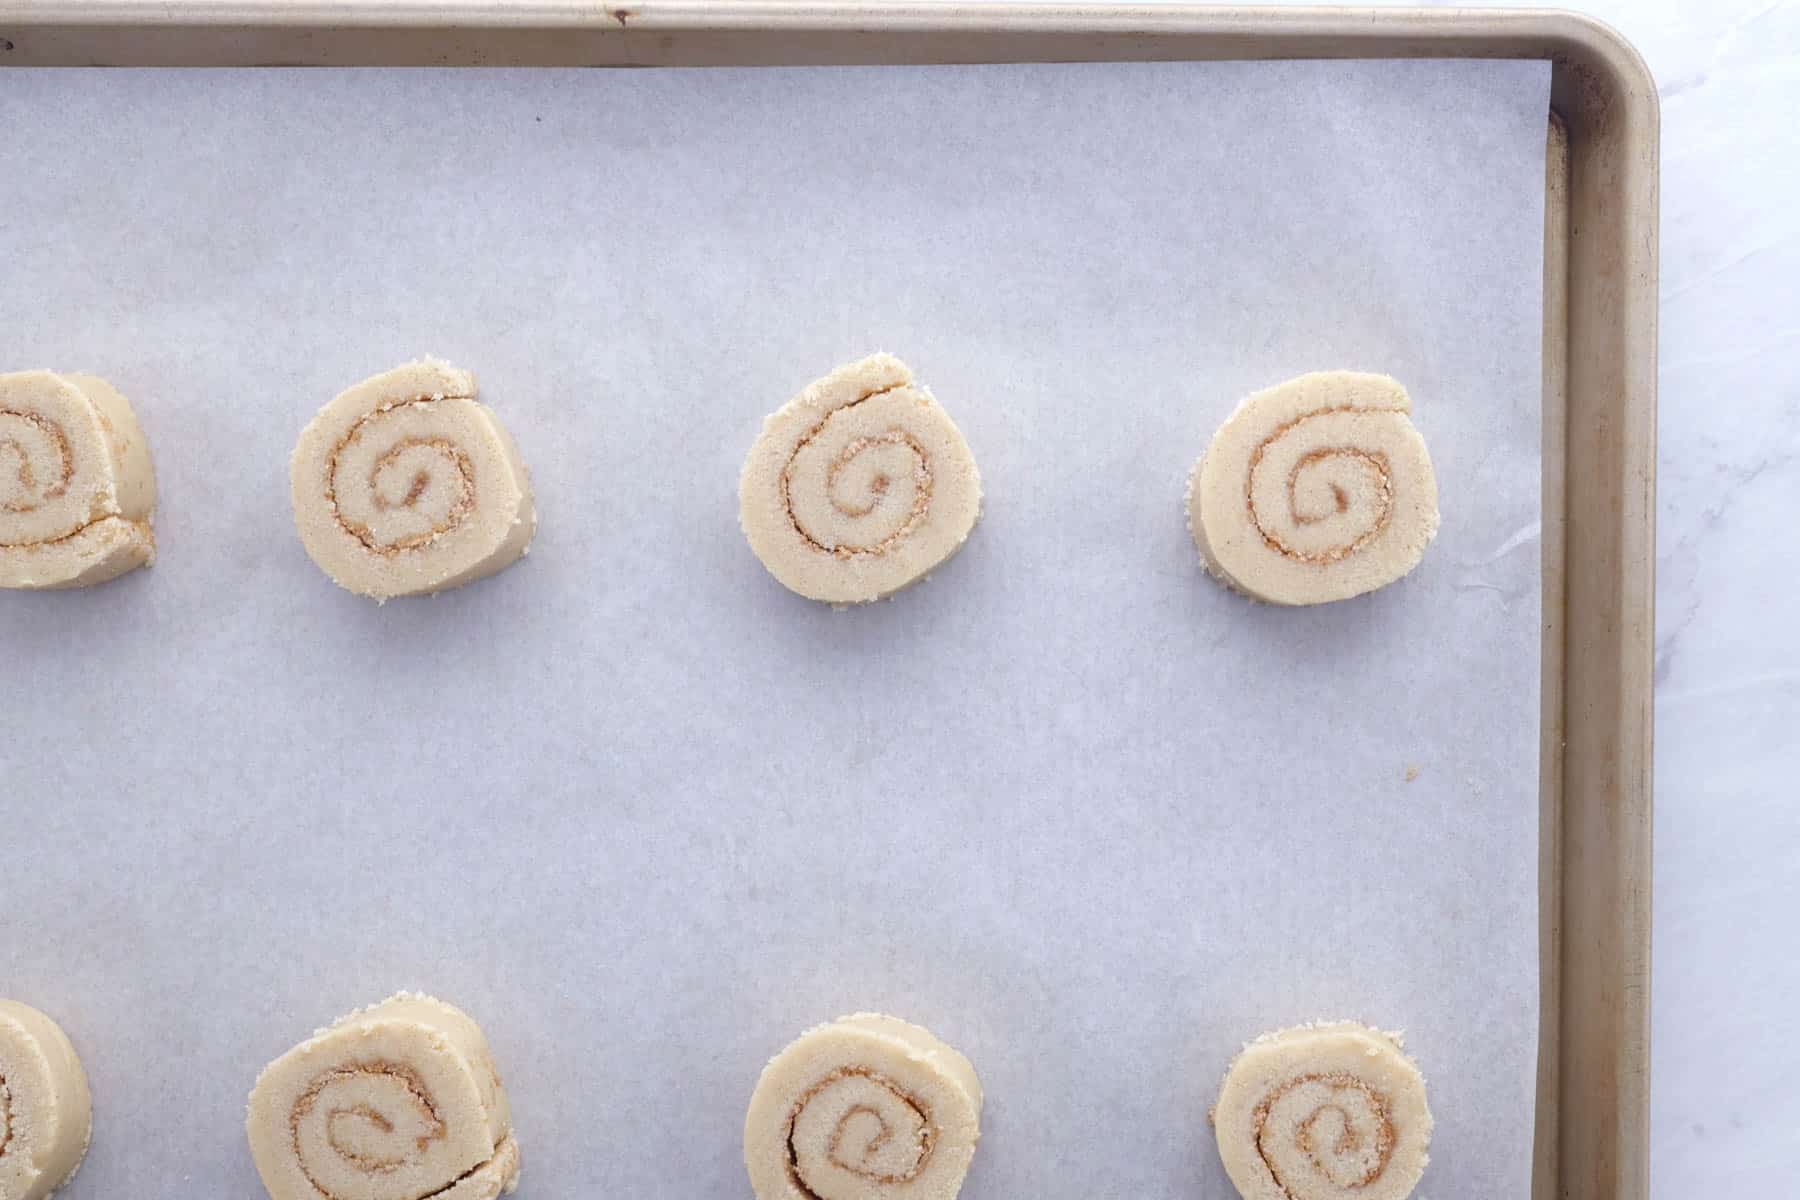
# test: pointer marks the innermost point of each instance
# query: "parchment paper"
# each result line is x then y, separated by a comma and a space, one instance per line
1089, 817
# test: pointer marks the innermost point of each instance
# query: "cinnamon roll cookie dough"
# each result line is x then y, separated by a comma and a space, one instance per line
399, 1101
858, 486
1317, 489
45, 1113
405, 485
866, 1108
77, 492
1323, 1112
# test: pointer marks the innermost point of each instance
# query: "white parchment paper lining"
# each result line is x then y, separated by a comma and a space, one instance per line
1089, 817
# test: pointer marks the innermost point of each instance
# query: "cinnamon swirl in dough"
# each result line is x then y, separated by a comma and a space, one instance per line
1318, 489
399, 1101
865, 1108
1323, 1112
405, 484
858, 486
76, 487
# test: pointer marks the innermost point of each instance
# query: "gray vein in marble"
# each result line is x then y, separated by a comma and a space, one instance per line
1723, 268
1779, 340
1750, 683
1710, 518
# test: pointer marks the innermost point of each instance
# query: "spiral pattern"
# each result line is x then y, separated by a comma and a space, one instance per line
1316, 490
1324, 1112
36, 461
865, 1108
395, 491
361, 1121
406, 484
76, 486
867, 1127
45, 1112
1337, 1128
882, 481
858, 486
396, 1102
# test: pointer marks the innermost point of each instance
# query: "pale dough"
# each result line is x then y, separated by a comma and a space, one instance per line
77, 492
1323, 1112
45, 1113
866, 1108
1317, 489
405, 485
394, 1102
858, 486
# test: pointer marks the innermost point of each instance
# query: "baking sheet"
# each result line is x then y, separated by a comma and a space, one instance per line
1089, 817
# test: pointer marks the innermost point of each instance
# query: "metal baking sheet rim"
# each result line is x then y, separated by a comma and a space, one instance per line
1599, 373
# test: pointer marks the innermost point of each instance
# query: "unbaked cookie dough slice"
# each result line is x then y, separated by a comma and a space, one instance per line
1323, 1112
405, 485
77, 491
858, 486
865, 1108
1317, 489
45, 1113
398, 1101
